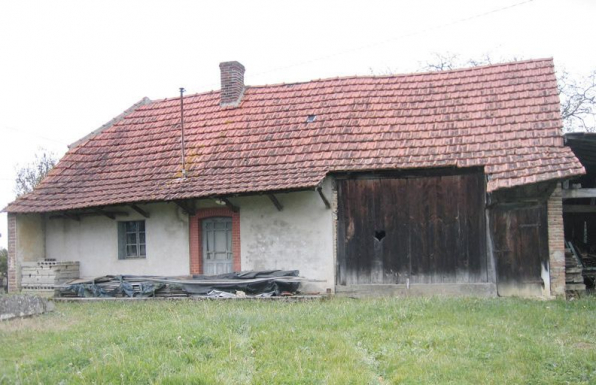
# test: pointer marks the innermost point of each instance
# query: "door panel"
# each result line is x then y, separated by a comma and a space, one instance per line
427, 229
521, 252
217, 245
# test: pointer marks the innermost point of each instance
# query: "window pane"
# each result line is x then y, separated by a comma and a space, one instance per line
142, 238
131, 227
131, 239
220, 225
143, 251
220, 241
141, 225
131, 251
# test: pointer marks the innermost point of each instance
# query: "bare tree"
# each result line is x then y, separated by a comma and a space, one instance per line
578, 101
30, 175
444, 62
450, 61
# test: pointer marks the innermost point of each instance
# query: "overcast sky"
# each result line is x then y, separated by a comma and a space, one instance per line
67, 67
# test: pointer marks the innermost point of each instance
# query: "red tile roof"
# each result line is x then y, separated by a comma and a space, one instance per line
503, 117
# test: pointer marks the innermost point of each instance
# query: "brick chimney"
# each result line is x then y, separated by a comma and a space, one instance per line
232, 83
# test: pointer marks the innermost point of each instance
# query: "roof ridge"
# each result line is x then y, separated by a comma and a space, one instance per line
407, 74
473, 68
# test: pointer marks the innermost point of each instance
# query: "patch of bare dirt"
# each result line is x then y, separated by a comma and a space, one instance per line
40, 323
584, 345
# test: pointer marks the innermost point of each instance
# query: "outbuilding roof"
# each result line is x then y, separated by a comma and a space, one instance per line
502, 117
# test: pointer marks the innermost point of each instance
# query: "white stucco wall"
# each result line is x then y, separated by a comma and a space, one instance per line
30, 242
94, 242
300, 237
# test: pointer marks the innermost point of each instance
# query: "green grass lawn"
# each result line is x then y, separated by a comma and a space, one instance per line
340, 341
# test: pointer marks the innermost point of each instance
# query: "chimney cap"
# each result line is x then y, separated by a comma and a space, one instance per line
231, 63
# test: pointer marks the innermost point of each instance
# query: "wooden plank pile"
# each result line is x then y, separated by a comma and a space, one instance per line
589, 266
574, 279
42, 277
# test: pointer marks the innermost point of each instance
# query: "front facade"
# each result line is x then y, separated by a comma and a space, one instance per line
442, 183
414, 234
254, 236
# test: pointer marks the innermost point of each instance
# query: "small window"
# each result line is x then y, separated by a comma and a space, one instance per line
131, 240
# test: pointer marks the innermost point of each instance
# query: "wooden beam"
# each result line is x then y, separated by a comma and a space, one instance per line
186, 207
323, 197
275, 202
107, 214
537, 192
77, 215
114, 213
230, 205
579, 193
74, 217
140, 211
579, 209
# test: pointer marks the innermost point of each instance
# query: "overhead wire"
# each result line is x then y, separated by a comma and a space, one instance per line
33, 134
339, 53
386, 41
422, 31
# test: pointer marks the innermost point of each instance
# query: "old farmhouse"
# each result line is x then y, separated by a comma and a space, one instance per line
444, 182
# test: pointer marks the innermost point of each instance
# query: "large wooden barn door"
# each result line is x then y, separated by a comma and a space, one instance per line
422, 229
520, 246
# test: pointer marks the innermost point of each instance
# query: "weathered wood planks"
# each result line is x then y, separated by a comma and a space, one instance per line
432, 226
